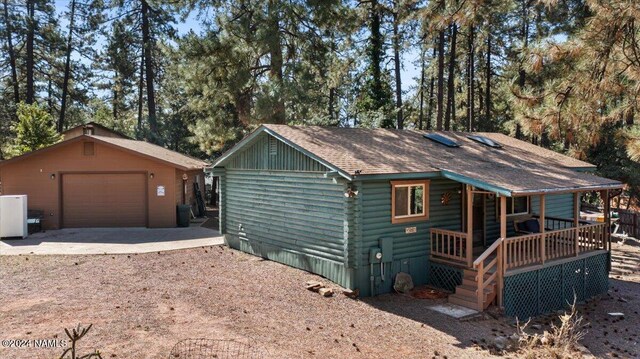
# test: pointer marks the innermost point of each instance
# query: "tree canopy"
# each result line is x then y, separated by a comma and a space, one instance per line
560, 74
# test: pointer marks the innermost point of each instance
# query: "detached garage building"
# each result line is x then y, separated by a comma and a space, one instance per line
105, 180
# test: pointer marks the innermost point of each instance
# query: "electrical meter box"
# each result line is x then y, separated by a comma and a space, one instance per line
386, 246
375, 255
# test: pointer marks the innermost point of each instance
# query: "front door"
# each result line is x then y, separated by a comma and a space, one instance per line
479, 240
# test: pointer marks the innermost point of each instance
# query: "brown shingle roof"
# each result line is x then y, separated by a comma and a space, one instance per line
518, 167
155, 152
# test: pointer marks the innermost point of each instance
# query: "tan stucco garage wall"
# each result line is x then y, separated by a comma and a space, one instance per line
33, 176
192, 176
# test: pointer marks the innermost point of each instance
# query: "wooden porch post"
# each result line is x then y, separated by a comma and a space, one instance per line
542, 227
469, 226
501, 248
607, 220
576, 220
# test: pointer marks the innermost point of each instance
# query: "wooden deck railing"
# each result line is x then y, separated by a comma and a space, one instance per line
592, 237
560, 243
526, 250
493, 254
522, 250
449, 245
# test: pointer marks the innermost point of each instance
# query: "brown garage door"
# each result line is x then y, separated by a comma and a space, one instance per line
104, 200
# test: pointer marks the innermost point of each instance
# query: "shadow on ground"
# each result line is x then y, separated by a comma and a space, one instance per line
113, 236
606, 335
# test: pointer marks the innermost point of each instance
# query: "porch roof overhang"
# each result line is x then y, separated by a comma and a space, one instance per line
517, 181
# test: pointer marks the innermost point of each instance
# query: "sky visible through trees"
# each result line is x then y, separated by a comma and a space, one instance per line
410, 58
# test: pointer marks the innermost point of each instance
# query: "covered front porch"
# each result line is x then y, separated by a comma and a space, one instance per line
524, 242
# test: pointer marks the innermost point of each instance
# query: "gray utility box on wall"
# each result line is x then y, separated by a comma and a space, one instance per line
386, 246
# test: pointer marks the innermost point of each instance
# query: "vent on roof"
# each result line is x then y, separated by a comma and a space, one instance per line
441, 139
485, 141
273, 146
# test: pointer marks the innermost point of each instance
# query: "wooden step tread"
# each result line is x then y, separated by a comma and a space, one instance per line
464, 301
473, 276
473, 288
475, 272
471, 291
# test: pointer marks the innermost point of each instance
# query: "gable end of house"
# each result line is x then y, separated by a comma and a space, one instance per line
266, 152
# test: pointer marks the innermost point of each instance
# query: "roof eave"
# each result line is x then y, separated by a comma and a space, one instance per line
530, 192
41, 150
98, 139
477, 183
153, 158
541, 191
402, 175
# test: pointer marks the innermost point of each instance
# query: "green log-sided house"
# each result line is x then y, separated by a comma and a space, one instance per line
358, 206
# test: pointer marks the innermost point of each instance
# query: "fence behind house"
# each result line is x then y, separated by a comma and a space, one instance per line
629, 222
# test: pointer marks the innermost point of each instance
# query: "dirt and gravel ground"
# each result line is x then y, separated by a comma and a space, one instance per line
617, 337
141, 305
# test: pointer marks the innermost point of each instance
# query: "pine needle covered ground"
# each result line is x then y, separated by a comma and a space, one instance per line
141, 305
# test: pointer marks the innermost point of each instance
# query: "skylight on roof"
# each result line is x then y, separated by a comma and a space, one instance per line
441, 139
485, 141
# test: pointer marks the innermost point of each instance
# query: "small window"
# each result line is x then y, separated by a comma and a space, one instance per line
89, 149
409, 201
517, 206
88, 130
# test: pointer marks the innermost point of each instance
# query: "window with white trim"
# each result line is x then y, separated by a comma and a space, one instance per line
409, 201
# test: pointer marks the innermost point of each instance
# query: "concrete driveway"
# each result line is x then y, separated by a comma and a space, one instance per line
111, 241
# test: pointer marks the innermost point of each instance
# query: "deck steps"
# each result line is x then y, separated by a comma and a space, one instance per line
466, 293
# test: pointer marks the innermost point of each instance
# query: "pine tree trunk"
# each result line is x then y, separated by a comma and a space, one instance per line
471, 80
430, 111
275, 53
333, 93
431, 86
487, 90
332, 105
30, 61
12, 54
451, 91
243, 108
522, 75
148, 45
140, 95
440, 98
396, 60
480, 112
50, 96
67, 68
114, 103
376, 53
421, 114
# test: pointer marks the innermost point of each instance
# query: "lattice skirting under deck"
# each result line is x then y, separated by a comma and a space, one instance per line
444, 276
552, 288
